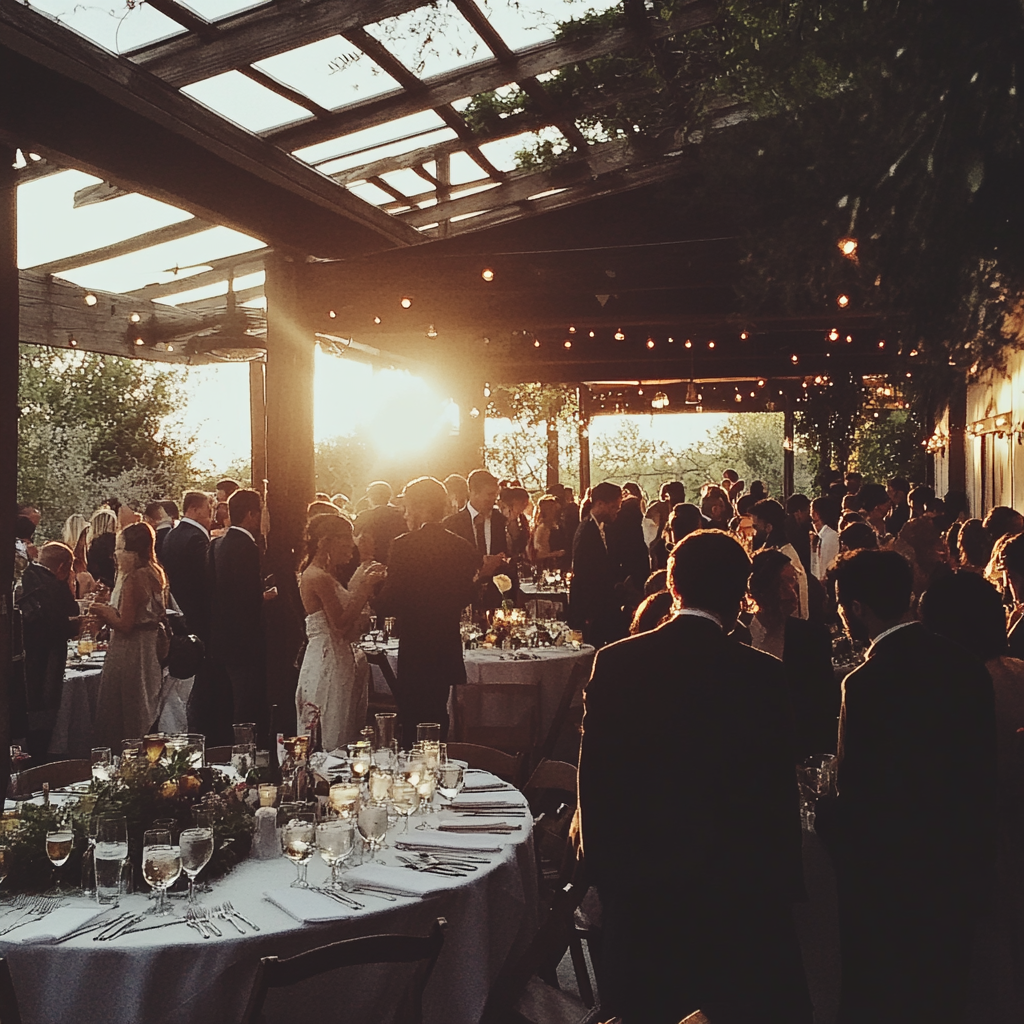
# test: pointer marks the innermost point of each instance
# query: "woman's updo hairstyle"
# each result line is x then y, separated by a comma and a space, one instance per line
765, 573
321, 528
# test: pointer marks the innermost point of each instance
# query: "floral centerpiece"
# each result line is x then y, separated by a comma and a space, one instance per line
143, 791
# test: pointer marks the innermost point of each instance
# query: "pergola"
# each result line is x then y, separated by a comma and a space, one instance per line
390, 219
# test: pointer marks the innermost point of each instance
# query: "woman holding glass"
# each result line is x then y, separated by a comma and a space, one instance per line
333, 676
129, 695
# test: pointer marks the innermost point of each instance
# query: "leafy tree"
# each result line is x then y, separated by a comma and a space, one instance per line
890, 446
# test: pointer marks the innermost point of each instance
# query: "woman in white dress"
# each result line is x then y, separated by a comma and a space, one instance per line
334, 677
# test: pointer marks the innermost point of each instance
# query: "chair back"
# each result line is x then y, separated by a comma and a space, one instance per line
57, 774
9, 1011
506, 766
218, 755
575, 682
378, 701
371, 949
503, 715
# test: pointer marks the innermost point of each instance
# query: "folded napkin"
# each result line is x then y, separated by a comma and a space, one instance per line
487, 787
502, 798
400, 881
57, 925
452, 842
307, 906
494, 826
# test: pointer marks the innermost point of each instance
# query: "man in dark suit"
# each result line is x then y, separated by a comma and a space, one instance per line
911, 830
484, 526
237, 644
377, 526
430, 580
595, 598
702, 920
184, 560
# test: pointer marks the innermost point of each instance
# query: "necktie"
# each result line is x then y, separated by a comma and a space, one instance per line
481, 539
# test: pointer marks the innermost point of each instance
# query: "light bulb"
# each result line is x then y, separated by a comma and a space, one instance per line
536, 343
881, 344
431, 331
405, 302
135, 318
139, 341
833, 335
650, 343
331, 313
474, 412
843, 301
592, 334
487, 274
711, 344
90, 299
760, 383
739, 397
744, 336
794, 359
567, 343
849, 339
572, 330
619, 336
687, 343
376, 319
848, 247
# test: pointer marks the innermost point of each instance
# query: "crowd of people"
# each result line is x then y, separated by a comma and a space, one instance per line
714, 622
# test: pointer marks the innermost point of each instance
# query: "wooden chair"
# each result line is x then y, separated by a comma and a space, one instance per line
9, 1011
218, 755
577, 677
381, 702
372, 949
495, 714
506, 766
57, 774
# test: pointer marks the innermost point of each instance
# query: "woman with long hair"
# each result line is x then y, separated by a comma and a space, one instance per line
100, 542
75, 534
334, 677
547, 543
129, 698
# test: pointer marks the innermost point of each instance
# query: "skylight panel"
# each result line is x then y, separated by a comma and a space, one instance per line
502, 153
254, 280
407, 181
371, 193
431, 40
113, 26
247, 103
377, 135
464, 168
215, 10
523, 23
331, 71
380, 152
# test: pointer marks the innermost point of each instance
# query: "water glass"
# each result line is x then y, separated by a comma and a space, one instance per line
380, 785
298, 841
242, 757
131, 748
429, 732
334, 840
110, 853
359, 759
59, 843
245, 733
450, 780
101, 764
405, 798
373, 824
343, 798
196, 846
161, 866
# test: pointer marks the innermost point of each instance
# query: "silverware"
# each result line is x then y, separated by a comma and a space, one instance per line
42, 906
338, 897
150, 927
225, 916
194, 921
442, 851
231, 910
451, 862
207, 919
117, 928
85, 929
433, 869
369, 890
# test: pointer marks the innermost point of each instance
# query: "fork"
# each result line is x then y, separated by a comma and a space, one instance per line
225, 916
207, 919
193, 920
234, 913
42, 906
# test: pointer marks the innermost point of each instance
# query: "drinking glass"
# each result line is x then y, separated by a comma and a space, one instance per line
334, 840
242, 756
359, 759
245, 733
195, 744
450, 780
380, 785
425, 788
298, 841
196, 850
59, 842
344, 799
429, 731
130, 748
373, 824
405, 798
89, 857
153, 745
4, 863
161, 866
101, 765
389, 627
110, 853
414, 769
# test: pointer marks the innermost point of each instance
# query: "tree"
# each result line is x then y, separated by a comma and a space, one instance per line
890, 446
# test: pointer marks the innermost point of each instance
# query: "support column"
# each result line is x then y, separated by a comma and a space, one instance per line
9, 336
584, 439
258, 425
551, 470
788, 455
291, 481
958, 437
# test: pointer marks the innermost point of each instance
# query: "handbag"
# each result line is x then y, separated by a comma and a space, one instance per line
185, 655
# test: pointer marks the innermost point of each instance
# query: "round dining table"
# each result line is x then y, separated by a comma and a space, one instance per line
170, 974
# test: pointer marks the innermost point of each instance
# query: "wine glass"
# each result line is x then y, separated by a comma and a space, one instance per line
196, 846
425, 788
405, 798
153, 745
101, 765
380, 785
334, 840
59, 842
450, 780
373, 825
161, 866
359, 759
344, 799
298, 841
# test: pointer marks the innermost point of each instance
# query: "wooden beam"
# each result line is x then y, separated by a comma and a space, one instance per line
218, 301
51, 94
485, 76
290, 94
258, 425
98, 193
36, 169
248, 263
181, 229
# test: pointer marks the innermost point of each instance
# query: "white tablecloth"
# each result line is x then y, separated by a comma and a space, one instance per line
172, 976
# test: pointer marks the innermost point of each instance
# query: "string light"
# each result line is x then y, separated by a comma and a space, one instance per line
572, 330
567, 343
744, 336
487, 391
711, 344
640, 392
376, 319
619, 336
849, 339
135, 318
170, 348
794, 359
687, 343
405, 302
881, 344
487, 274
431, 331
89, 299
833, 335
913, 352
331, 313
592, 334
671, 341
536, 342
848, 247
843, 301
739, 397
73, 342
139, 341
650, 343
474, 412
761, 382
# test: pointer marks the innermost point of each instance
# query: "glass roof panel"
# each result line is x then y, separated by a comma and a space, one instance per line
407, 182
331, 71
214, 10
370, 193
137, 269
392, 149
502, 153
464, 168
408, 127
49, 228
524, 23
115, 28
247, 103
431, 40
209, 291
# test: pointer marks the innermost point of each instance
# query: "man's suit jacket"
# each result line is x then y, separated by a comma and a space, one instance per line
461, 523
429, 583
595, 605
184, 558
236, 600
815, 693
627, 545
383, 523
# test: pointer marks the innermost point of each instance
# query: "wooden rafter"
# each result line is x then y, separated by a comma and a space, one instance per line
485, 76
236, 266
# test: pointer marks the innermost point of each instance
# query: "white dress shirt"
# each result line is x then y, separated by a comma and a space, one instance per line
473, 513
825, 552
199, 526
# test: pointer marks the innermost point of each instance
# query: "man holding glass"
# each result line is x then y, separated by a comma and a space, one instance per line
688, 815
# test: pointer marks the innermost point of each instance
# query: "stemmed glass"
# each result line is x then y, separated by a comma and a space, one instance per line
450, 780
161, 866
298, 841
334, 839
196, 850
59, 842
359, 760
373, 825
343, 798
405, 798
101, 766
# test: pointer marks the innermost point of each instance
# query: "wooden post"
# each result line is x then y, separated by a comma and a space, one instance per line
8, 440
258, 424
290, 472
444, 193
584, 440
551, 471
958, 437
788, 460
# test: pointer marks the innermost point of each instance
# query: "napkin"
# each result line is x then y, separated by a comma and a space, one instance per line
503, 798
306, 906
452, 841
495, 825
57, 925
400, 881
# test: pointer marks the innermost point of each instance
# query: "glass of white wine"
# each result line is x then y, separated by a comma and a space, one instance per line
373, 825
334, 839
59, 842
196, 846
298, 841
161, 865
405, 798
450, 780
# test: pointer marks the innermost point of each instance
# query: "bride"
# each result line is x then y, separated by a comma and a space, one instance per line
333, 676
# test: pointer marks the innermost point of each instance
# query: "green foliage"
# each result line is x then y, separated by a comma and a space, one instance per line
343, 464
890, 446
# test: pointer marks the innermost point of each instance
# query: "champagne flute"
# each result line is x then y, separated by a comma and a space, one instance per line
405, 798
161, 866
334, 840
196, 846
373, 825
298, 841
59, 842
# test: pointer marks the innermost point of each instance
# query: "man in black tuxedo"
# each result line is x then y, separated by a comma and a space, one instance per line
703, 919
911, 830
376, 527
184, 560
484, 526
430, 580
595, 591
237, 642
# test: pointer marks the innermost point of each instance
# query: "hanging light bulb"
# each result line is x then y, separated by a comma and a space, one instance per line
572, 330
687, 343
739, 397
849, 339
487, 274
536, 342
761, 382
842, 301
744, 336
376, 319
833, 335
591, 334
567, 343
650, 343
331, 313
431, 331
405, 302
659, 401
89, 299
848, 247
711, 344
135, 318
794, 359
487, 391
619, 336
881, 344
474, 412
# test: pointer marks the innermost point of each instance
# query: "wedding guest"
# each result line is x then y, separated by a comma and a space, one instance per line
825, 520
625, 536
431, 579
457, 488
49, 614
721, 756
221, 519
652, 611
957, 506
798, 527
129, 697
715, 507
512, 503
380, 523
184, 560
156, 515
758, 491
770, 532
570, 516
655, 521
225, 488
911, 829
30, 512
334, 675
24, 538
856, 536
683, 520
921, 543
804, 648
974, 546
854, 481
673, 491
100, 543
921, 500
595, 599
1003, 520
74, 534
1010, 551
321, 508
899, 511
878, 511
238, 682
548, 542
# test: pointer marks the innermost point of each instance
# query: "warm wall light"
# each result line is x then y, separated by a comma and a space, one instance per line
405, 302
487, 274
90, 299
